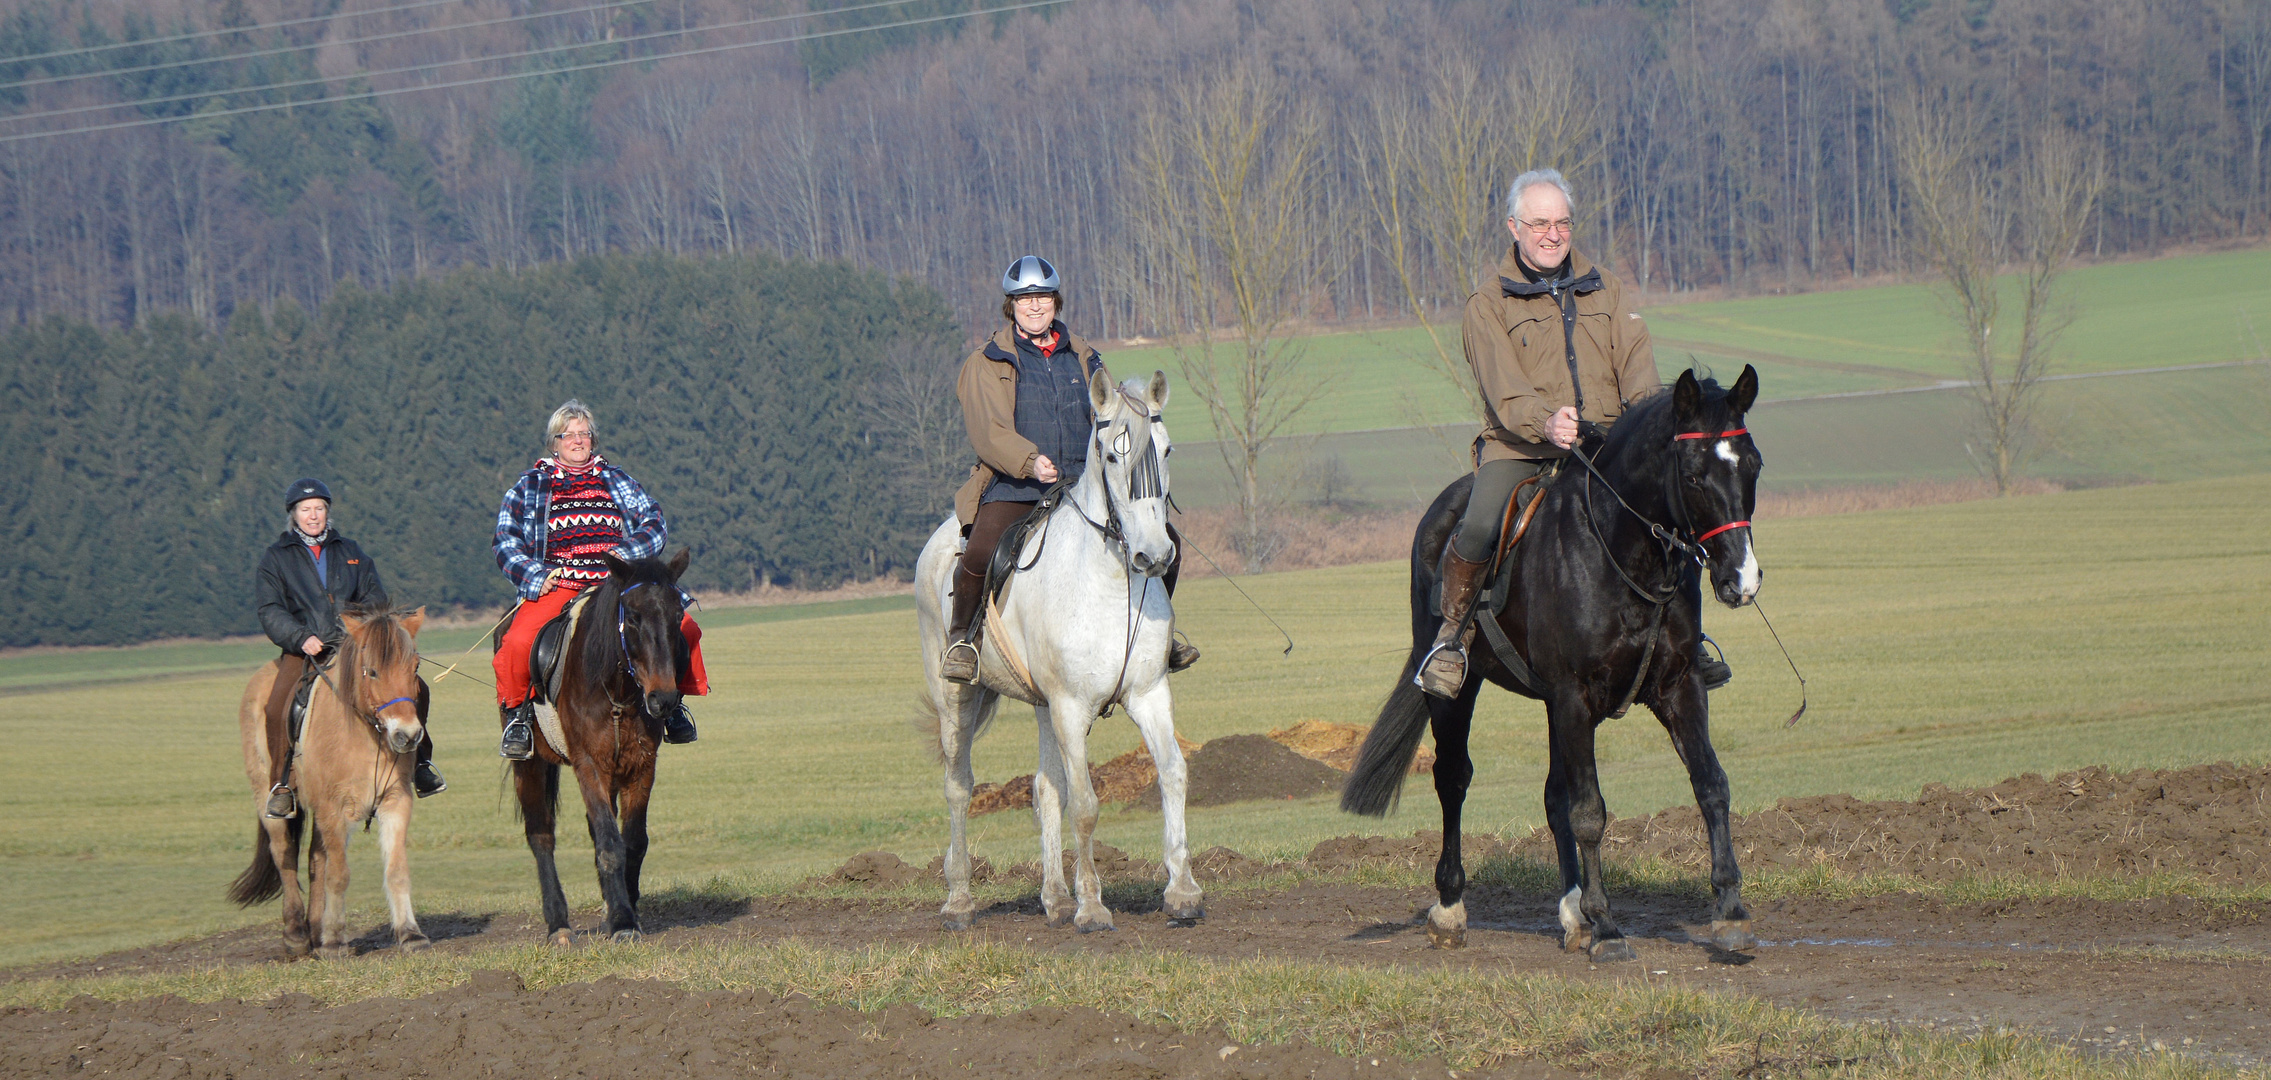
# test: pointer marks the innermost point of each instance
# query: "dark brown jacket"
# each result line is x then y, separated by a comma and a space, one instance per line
1515, 346
988, 389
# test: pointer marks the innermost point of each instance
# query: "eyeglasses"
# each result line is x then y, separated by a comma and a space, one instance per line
1563, 226
574, 436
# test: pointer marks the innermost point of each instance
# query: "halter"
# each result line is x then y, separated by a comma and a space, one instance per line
370, 718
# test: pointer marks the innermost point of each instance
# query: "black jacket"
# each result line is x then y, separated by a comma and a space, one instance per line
295, 606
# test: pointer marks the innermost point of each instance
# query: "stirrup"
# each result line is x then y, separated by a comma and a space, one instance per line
1419, 677
420, 777
1181, 655
283, 805
1716, 673
960, 664
524, 747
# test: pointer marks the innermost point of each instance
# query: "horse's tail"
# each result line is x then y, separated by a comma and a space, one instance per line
263, 881
927, 719
1381, 765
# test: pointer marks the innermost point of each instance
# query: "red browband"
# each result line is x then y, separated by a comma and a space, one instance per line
1723, 528
1708, 435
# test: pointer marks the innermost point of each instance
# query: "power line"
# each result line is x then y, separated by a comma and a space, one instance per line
87, 50
618, 62
218, 58
522, 55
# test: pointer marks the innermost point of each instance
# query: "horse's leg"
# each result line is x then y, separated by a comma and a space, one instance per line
1685, 713
1154, 714
633, 799
284, 850
1048, 812
330, 883
1454, 770
537, 784
607, 851
1579, 816
1088, 888
394, 849
957, 719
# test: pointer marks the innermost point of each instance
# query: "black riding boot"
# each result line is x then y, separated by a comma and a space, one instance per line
519, 743
425, 779
960, 664
678, 725
1714, 670
282, 804
1444, 670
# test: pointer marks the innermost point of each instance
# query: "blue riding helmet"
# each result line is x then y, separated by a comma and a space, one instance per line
1029, 275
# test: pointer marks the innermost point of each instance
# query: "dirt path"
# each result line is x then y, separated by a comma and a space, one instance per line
2190, 975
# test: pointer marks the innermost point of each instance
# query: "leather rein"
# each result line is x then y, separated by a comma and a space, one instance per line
1670, 539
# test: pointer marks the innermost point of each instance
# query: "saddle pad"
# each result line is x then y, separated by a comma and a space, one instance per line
547, 714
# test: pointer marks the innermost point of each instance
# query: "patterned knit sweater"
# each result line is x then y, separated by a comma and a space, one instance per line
583, 524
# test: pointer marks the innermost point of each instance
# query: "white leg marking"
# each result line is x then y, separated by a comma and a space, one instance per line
1572, 920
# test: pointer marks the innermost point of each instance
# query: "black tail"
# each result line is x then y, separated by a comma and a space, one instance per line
1378, 779
262, 881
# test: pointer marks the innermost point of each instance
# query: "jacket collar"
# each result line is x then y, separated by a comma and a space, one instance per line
1583, 277
1002, 347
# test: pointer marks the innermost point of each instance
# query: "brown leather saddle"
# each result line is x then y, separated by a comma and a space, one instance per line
544, 666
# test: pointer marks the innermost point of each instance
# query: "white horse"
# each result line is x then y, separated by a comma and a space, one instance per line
1085, 623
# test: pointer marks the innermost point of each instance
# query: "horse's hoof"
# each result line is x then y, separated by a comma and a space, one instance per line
955, 922
333, 952
1185, 914
562, 939
625, 937
1442, 937
415, 943
1060, 921
1577, 941
1094, 926
1733, 935
1613, 951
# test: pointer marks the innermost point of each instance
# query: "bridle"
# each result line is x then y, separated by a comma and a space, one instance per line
370, 718
623, 643
1678, 539
1144, 478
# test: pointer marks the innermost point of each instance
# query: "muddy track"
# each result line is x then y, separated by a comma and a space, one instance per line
2191, 975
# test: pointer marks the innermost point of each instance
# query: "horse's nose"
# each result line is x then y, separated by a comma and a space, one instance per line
402, 740
661, 702
1141, 562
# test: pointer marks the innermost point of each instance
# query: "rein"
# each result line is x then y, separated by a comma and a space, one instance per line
1669, 539
370, 719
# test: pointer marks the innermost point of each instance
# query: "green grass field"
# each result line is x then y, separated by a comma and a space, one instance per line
2195, 309
1956, 644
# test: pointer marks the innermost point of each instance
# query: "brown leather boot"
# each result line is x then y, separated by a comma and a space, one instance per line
1445, 668
960, 664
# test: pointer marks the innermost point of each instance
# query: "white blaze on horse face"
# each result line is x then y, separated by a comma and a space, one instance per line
1726, 452
1746, 575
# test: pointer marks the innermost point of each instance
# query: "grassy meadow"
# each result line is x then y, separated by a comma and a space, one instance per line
1958, 644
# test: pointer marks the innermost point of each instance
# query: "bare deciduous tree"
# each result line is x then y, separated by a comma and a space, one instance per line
1220, 200
1975, 212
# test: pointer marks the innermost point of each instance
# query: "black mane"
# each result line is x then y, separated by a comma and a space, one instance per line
1651, 420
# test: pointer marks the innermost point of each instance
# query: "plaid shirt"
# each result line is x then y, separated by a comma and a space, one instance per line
520, 524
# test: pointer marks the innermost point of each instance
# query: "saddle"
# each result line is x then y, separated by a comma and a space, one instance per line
1003, 565
544, 666
1520, 509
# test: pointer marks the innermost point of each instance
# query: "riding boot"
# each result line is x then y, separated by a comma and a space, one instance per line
1444, 670
425, 779
960, 664
1714, 670
1180, 653
519, 743
678, 725
282, 804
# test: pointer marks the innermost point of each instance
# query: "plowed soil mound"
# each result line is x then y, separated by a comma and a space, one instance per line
2212, 822
1313, 756
1336, 745
1241, 768
493, 1027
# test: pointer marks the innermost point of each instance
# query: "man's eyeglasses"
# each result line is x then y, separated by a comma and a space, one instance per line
1563, 226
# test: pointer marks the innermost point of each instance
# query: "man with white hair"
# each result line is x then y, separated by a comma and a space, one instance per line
1554, 340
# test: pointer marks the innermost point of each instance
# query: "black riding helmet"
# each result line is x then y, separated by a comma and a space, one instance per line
307, 487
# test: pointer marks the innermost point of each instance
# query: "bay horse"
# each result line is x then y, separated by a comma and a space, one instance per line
355, 754
1600, 607
619, 679
1085, 623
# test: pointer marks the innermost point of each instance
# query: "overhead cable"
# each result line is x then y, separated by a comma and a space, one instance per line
87, 50
220, 57
618, 62
524, 54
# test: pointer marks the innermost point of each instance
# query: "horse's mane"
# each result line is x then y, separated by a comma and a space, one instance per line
1650, 421
602, 653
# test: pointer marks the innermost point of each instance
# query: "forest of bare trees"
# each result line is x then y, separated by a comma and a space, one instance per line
1714, 142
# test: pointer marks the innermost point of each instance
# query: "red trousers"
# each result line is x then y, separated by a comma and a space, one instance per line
511, 661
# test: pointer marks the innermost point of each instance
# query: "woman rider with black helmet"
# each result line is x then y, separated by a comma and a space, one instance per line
306, 578
1025, 403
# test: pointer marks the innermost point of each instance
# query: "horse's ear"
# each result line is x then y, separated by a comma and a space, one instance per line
1745, 392
1687, 396
615, 564
677, 564
1099, 391
1158, 390
413, 621
353, 621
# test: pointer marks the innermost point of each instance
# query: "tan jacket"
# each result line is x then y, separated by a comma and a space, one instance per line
1515, 346
988, 389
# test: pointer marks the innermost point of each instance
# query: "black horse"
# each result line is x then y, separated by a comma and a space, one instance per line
1600, 608
620, 678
